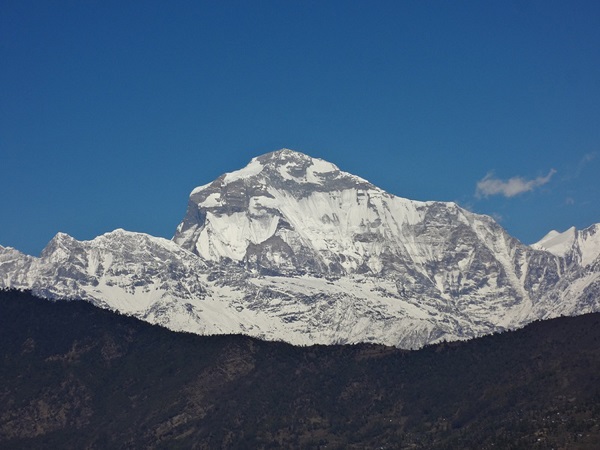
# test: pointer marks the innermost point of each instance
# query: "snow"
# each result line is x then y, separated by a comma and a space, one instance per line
284, 172
313, 174
321, 166
437, 271
551, 234
317, 168
590, 245
558, 244
584, 244
200, 188
212, 200
252, 169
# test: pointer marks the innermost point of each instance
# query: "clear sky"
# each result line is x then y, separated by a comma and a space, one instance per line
111, 112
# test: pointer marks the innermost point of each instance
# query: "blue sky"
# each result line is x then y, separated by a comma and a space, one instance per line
111, 112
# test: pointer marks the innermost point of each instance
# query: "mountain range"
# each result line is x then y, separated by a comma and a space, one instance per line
292, 248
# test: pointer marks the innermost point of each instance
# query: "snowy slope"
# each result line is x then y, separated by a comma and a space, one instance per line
289, 214
292, 248
581, 246
153, 279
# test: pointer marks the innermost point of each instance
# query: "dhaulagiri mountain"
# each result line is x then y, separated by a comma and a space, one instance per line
291, 248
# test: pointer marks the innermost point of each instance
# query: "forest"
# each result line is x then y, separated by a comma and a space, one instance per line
76, 376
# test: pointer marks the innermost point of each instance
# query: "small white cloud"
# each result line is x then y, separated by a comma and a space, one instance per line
587, 158
575, 170
569, 201
490, 185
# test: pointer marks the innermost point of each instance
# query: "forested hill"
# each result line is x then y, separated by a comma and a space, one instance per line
76, 376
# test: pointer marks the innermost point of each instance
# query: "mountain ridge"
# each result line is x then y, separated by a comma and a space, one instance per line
291, 247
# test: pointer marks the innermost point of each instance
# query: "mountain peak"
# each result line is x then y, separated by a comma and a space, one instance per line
283, 153
284, 170
289, 165
59, 246
584, 245
284, 199
556, 242
286, 156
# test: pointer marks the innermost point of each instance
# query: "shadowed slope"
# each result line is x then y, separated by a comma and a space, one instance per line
73, 375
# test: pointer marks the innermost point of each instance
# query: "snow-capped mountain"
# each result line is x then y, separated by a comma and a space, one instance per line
292, 248
581, 247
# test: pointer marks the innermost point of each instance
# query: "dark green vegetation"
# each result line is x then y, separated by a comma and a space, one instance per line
74, 376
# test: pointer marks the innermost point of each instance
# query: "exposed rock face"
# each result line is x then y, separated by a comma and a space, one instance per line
292, 248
